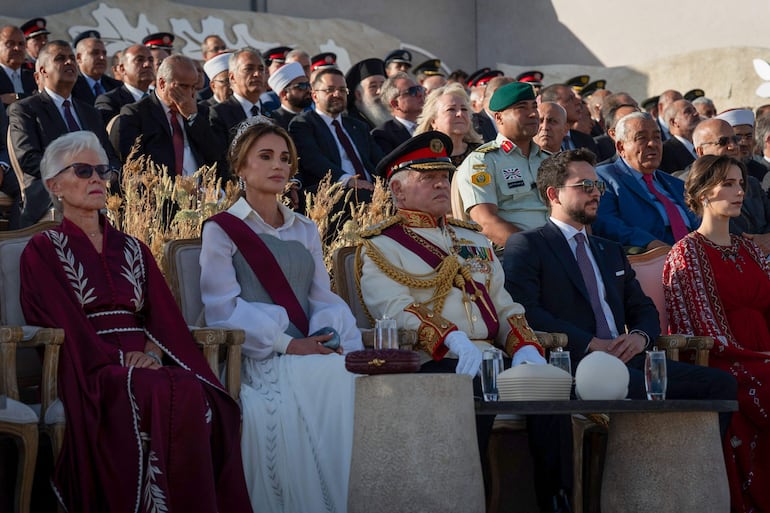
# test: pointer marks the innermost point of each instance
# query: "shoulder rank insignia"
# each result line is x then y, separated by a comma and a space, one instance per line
376, 229
491, 146
470, 225
481, 178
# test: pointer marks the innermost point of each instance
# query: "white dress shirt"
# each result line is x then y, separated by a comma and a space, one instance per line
189, 164
58, 100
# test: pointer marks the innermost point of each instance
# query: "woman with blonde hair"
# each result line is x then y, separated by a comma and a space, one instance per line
263, 272
447, 109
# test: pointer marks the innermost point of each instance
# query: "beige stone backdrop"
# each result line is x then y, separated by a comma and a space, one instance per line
642, 48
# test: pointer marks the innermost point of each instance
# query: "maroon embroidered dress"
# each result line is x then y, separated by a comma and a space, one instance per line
136, 439
725, 293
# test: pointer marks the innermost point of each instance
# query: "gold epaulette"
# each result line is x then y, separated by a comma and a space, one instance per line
377, 228
486, 148
470, 225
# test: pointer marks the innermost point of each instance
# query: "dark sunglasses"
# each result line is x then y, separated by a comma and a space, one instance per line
415, 90
724, 141
588, 186
86, 171
302, 86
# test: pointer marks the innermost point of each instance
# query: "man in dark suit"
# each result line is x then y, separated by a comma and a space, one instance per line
405, 100
615, 106
174, 130
138, 71
484, 121
248, 77
325, 139
584, 286
9, 185
36, 121
678, 151
566, 97
643, 207
92, 62
16, 82
665, 99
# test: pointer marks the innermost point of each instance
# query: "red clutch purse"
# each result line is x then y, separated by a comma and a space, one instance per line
382, 361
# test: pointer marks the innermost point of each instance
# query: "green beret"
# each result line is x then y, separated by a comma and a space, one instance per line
509, 94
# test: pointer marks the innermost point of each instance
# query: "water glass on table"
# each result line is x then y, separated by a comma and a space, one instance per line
561, 359
385, 334
491, 366
655, 375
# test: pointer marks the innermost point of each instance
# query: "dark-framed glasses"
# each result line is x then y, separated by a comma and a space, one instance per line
588, 186
332, 90
415, 90
724, 140
86, 171
301, 86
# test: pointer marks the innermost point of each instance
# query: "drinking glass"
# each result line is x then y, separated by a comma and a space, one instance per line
491, 366
655, 375
560, 358
386, 334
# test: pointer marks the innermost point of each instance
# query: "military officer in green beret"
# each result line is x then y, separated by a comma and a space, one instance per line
497, 181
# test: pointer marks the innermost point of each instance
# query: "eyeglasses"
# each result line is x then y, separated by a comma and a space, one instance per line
724, 140
301, 86
86, 171
415, 91
588, 186
332, 90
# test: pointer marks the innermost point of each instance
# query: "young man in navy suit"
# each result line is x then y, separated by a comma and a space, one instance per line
581, 285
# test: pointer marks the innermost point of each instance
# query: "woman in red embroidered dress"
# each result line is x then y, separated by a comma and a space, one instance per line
149, 427
718, 284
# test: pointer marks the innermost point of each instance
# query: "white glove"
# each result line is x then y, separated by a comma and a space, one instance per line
468, 355
528, 354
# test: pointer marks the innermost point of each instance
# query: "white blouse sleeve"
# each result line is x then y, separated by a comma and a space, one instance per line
265, 324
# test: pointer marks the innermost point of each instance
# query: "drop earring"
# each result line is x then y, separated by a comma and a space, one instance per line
241, 183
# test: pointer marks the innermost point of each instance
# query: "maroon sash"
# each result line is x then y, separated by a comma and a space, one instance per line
265, 267
433, 257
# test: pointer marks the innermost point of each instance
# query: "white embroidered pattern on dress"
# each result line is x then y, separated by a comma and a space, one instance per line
72, 269
134, 271
154, 499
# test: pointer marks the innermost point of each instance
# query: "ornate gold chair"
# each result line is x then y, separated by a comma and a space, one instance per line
183, 272
28, 383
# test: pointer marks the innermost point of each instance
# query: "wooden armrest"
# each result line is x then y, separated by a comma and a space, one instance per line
235, 339
672, 344
702, 347
551, 340
31, 336
209, 339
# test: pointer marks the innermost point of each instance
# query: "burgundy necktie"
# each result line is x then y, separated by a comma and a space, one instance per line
678, 226
589, 278
72, 125
349, 150
178, 140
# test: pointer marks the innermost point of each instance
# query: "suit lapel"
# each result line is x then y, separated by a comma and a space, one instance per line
562, 250
611, 292
53, 114
632, 184
158, 112
328, 141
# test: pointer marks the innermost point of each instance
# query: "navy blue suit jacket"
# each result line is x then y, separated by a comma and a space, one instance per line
542, 274
675, 156
110, 103
83, 92
27, 82
628, 215
484, 125
317, 149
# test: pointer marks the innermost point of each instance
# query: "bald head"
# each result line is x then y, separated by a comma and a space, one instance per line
666, 98
714, 137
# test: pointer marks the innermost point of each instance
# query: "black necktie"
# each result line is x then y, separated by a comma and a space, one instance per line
254, 110
72, 125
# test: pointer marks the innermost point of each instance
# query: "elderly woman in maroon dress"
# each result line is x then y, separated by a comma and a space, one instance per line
718, 284
149, 427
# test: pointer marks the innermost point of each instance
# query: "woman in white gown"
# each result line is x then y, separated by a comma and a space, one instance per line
263, 272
